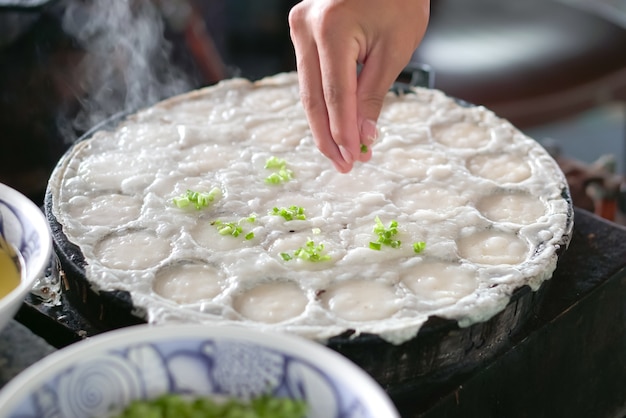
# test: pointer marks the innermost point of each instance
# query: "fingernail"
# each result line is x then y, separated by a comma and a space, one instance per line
343, 167
369, 132
346, 154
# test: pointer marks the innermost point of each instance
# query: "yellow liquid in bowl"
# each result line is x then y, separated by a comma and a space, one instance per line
9, 270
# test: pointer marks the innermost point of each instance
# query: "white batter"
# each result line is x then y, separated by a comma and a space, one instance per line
486, 200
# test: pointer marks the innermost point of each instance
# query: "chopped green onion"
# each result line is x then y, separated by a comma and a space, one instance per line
290, 213
181, 201
282, 175
316, 231
419, 246
234, 228
385, 235
310, 252
364, 149
273, 178
275, 162
375, 246
174, 405
199, 199
228, 228
286, 256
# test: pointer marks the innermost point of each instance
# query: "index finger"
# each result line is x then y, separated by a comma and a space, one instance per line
338, 64
311, 89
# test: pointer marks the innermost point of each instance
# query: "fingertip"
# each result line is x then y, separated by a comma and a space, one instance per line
346, 154
366, 154
342, 166
368, 132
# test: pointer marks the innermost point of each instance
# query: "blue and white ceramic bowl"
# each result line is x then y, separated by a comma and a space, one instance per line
106, 372
24, 226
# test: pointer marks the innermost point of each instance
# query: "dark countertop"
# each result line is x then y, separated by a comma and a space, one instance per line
19, 348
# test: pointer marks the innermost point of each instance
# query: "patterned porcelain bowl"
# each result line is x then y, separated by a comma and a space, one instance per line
24, 227
92, 378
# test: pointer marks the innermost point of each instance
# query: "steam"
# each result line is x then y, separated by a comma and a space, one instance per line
127, 62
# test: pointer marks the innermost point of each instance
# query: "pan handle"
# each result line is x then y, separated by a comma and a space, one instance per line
414, 75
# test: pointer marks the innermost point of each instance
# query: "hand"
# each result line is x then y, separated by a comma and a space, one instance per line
330, 38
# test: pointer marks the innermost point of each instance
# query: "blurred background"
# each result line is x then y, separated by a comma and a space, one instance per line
554, 68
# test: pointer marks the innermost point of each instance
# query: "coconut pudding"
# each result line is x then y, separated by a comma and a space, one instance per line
216, 207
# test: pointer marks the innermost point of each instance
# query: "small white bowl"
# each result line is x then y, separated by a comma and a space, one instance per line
92, 377
24, 226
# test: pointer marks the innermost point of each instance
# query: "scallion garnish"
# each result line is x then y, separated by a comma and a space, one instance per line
290, 213
175, 405
275, 163
198, 199
364, 149
228, 228
286, 257
375, 246
282, 173
310, 252
419, 246
234, 228
385, 235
